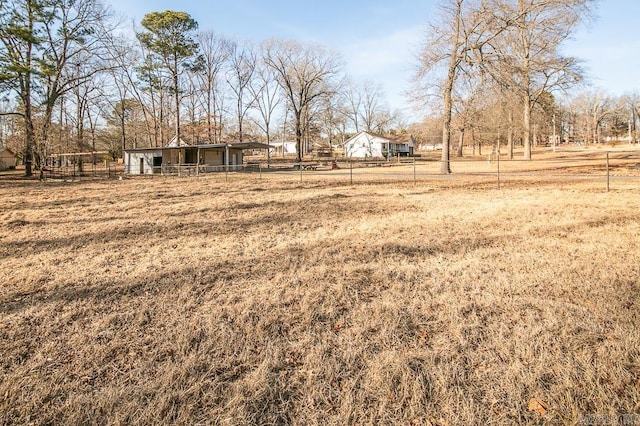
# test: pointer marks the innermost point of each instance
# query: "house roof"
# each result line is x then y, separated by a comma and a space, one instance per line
404, 138
175, 143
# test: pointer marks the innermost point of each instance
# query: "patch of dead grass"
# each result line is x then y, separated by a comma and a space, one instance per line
270, 302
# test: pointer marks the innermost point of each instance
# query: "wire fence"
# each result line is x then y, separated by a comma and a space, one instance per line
103, 170
600, 169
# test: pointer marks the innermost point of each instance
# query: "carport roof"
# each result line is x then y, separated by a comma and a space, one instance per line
233, 145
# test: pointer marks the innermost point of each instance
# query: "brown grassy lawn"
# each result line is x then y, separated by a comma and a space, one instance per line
191, 300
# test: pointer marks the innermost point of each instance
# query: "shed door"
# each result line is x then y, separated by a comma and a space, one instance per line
142, 166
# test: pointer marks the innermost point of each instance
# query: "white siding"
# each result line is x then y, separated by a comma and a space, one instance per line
364, 145
133, 160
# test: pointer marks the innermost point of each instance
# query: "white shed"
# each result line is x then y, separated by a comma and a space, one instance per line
370, 145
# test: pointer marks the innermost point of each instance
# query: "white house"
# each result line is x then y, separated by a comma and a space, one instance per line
370, 145
283, 148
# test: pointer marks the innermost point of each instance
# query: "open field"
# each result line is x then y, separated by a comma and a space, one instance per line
267, 301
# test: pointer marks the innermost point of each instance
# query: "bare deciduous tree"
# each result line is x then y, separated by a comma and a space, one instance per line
632, 103
452, 44
264, 91
242, 65
305, 74
526, 58
214, 52
40, 42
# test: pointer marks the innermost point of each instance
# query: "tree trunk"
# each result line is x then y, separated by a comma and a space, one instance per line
461, 143
445, 164
510, 135
122, 127
29, 134
527, 127
298, 136
26, 99
447, 98
176, 97
209, 110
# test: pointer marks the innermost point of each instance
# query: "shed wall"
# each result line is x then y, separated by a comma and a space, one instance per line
133, 160
7, 160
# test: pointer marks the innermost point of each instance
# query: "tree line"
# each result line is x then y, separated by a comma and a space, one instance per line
73, 78
497, 66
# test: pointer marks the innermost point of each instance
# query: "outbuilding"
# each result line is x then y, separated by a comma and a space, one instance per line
179, 158
7, 159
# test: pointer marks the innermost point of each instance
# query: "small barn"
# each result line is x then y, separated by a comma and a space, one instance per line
7, 159
178, 156
371, 145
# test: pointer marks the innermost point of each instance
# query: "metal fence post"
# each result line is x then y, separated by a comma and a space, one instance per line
351, 171
608, 178
414, 171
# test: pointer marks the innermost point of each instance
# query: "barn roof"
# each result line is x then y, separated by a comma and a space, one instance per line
231, 145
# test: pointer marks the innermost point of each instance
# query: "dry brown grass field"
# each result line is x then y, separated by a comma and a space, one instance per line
268, 301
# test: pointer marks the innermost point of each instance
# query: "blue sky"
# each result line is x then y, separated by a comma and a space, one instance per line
378, 39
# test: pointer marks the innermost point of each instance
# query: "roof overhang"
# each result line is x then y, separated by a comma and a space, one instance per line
220, 146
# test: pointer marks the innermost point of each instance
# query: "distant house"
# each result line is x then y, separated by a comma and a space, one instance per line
7, 159
283, 148
370, 145
436, 146
178, 155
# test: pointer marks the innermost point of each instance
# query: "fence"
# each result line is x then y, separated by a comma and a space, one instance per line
198, 169
103, 170
598, 169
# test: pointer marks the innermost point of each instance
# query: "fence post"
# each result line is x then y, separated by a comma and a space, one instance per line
608, 171
498, 160
351, 171
414, 171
